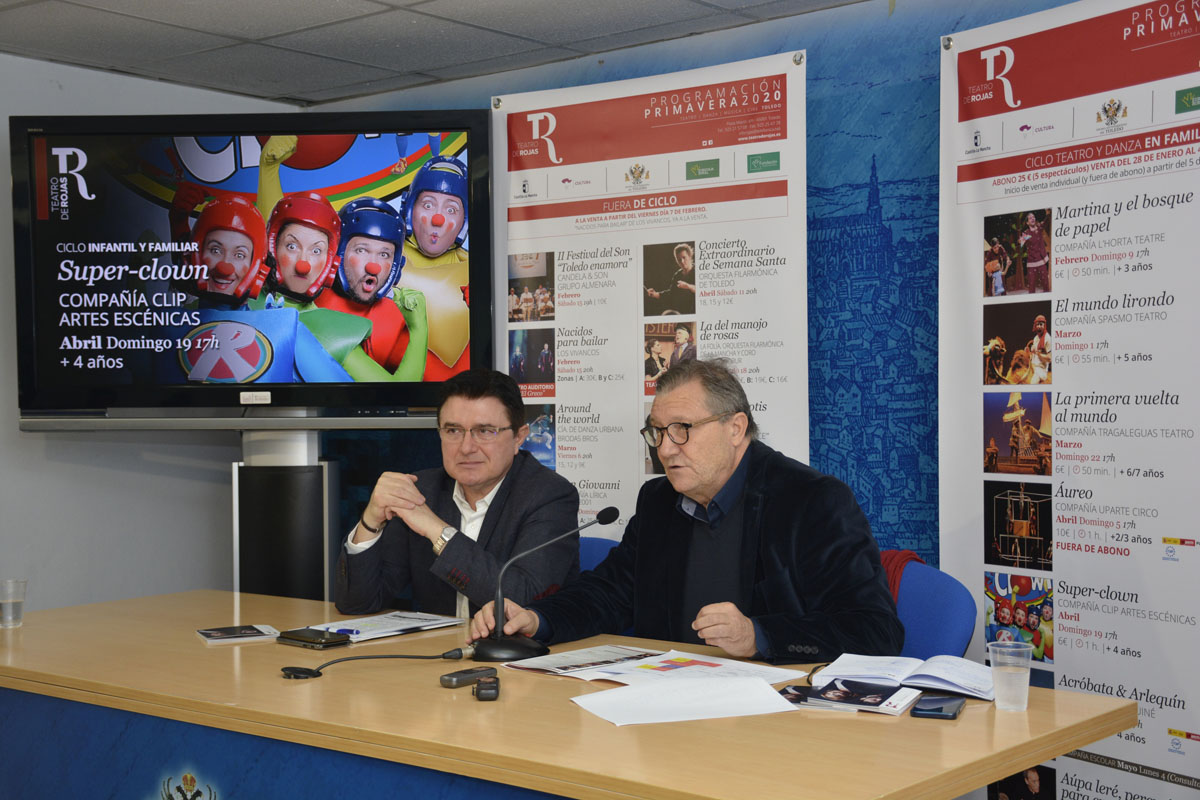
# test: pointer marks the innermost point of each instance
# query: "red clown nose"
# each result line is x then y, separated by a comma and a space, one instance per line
225, 270
438, 221
373, 269
303, 268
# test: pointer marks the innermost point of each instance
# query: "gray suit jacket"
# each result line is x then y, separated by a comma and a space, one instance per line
533, 505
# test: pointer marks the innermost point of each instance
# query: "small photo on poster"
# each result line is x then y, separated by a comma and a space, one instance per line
1020, 608
1018, 433
659, 343
1018, 522
650, 454
1034, 783
1017, 344
664, 345
1017, 253
531, 360
530, 287
669, 279
540, 441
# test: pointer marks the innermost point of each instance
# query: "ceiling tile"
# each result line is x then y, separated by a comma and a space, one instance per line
530, 58
365, 88
402, 41
658, 33
76, 34
264, 71
238, 18
348, 48
564, 22
784, 8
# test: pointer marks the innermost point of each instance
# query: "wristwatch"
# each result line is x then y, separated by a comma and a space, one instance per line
439, 544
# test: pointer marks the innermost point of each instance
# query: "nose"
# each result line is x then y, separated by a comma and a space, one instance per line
225, 269
303, 268
373, 268
667, 447
437, 221
469, 445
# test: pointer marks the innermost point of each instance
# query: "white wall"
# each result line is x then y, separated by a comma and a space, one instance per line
87, 517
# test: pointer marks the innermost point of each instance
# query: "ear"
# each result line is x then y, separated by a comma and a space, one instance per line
519, 437
739, 422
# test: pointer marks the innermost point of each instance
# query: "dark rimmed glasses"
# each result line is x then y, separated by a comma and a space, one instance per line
677, 432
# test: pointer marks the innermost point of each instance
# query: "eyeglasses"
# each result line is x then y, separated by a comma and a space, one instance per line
482, 434
678, 432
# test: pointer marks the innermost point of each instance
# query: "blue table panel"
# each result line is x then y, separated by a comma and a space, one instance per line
55, 748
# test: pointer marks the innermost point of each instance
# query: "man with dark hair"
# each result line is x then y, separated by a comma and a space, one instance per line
679, 295
738, 546
446, 532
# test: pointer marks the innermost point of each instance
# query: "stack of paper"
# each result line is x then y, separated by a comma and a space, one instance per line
392, 624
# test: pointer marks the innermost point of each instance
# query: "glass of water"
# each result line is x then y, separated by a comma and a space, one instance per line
12, 602
1010, 673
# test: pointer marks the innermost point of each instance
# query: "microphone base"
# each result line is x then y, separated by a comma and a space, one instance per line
508, 648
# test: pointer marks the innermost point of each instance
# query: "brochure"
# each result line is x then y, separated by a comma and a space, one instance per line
945, 673
232, 634
587, 660
809, 697
634, 665
391, 624
848, 695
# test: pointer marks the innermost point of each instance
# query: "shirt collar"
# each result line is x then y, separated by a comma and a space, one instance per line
481, 506
720, 505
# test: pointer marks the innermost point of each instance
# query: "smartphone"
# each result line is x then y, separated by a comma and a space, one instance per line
313, 638
466, 677
937, 706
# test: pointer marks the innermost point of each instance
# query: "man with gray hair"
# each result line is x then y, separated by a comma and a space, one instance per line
739, 546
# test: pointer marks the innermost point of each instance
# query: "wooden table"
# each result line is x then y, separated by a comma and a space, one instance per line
143, 656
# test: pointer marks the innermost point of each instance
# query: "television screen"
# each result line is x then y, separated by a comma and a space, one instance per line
289, 260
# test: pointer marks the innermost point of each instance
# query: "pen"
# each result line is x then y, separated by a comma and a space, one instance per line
349, 631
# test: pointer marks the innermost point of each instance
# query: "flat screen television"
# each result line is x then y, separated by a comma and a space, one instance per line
336, 262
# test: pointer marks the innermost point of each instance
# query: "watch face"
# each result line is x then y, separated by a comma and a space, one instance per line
447, 532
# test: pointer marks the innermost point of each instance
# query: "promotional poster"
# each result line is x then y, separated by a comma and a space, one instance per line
177, 259
1070, 164
674, 231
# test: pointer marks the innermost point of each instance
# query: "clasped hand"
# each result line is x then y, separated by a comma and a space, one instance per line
396, 495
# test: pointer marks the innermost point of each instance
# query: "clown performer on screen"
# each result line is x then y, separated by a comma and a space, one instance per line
435, 208
370, 262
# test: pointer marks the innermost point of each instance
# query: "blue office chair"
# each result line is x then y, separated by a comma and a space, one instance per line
592, 550
938, 612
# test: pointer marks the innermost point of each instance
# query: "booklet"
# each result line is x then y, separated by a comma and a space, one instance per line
945, 673
634, 665
848, 695
231, 634
391, 624
579, 663
810, 697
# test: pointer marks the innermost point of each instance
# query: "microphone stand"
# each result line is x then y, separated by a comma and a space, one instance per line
515, 647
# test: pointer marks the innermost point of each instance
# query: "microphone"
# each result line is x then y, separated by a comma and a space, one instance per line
501, 647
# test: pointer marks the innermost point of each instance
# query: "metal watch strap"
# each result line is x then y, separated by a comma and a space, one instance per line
439, 544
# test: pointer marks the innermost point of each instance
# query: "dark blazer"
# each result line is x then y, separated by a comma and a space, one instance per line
533, 505
685, 353
816, 587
